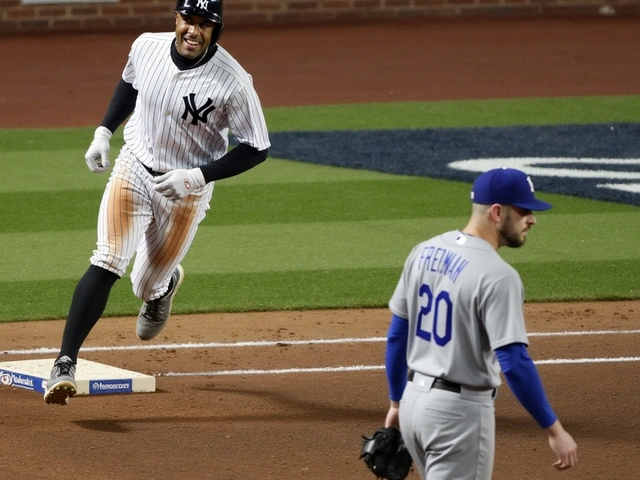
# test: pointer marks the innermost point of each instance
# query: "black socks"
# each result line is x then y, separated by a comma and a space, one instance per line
87, 305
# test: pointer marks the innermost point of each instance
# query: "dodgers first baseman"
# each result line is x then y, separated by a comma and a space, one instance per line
458, 320
183, 93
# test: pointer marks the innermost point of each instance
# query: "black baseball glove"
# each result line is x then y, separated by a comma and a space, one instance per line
386, 455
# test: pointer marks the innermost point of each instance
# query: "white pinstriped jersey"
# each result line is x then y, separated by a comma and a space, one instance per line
182, 117
462, 301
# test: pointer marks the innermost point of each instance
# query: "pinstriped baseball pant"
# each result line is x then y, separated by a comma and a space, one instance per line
134, 219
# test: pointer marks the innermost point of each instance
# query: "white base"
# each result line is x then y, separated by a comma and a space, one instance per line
92, 378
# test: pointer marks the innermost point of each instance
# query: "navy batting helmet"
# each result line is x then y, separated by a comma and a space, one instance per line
209, 9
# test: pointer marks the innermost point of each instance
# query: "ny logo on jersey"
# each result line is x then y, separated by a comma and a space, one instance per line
198, 114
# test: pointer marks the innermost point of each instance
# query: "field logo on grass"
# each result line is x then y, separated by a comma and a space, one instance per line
565, 167
598, 161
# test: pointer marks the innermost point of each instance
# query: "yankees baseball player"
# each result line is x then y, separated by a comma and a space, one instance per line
184, 93
457, 320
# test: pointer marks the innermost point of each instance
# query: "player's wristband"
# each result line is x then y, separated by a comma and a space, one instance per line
396, 357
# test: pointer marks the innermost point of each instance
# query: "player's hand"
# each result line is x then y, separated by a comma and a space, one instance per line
564, 446
97, 157
177, 184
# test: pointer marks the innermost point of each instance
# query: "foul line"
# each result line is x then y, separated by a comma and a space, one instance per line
582, 332
281, 343
353, 368
360, 368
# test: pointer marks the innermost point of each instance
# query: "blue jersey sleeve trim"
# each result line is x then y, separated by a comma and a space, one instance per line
396, 357
525, 383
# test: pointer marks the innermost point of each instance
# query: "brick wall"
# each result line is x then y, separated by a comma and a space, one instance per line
152, 15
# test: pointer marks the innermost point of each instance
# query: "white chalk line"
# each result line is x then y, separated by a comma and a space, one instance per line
360, 368
282, 343
353, 368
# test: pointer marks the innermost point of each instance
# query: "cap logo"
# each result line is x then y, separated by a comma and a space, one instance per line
202, 4
530, 183
506, 186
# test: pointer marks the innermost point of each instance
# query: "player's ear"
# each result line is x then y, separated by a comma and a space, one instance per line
497, 212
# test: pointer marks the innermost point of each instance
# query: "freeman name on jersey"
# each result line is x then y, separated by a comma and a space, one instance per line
442, 261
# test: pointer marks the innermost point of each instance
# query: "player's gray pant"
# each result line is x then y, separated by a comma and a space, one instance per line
451, 436
134, 219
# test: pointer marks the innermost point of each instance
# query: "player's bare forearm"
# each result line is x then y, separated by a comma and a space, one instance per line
393, 419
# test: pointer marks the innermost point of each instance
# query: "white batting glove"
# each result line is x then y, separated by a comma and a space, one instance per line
177, 184
97, 157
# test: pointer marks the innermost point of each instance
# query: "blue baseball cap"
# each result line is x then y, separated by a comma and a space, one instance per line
506, 186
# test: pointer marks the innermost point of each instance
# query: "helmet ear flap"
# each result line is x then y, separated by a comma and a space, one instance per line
217, 32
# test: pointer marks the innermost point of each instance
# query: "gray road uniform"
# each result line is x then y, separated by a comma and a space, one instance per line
462, 301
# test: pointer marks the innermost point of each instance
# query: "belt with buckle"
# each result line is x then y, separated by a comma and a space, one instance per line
153, 173
441, 384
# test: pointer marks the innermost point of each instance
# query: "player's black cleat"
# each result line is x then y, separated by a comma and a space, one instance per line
153, 315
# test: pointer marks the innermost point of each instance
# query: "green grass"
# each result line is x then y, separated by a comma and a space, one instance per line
463, 113
290, 235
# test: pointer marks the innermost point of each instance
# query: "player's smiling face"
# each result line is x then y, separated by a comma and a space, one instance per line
517, 222
193, 35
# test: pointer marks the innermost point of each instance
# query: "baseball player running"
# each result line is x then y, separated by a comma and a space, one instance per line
184, 93
457, 320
